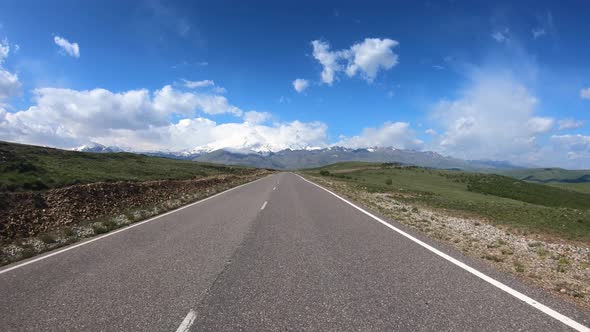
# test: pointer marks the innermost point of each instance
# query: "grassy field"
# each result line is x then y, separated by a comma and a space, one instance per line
25, 167
526, 207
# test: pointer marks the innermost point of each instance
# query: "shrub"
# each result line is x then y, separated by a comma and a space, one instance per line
388, 182
47, 238
324, 172
99, 228
69, 232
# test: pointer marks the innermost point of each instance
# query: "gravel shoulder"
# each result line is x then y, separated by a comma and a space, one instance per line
561, 268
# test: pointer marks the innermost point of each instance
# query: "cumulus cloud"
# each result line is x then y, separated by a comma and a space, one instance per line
198, 84
300, 85
366, 58
144, 120
170, 100
539, 125
9, 83
256, 117
565, 124
494, 118
71, 49
395, 134
585, 93
328, 60
370, 56
205, 134
276, 137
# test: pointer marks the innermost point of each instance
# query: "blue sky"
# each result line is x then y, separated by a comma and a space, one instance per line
475, 80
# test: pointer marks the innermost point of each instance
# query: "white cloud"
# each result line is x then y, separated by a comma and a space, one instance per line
370, 56
577, 148
72, 49
431, 132
276, 137
9, 83
204, 84
143, 120
585, 93
170, 100
4, 50
300, 85
198, 84
579, 143
219, 90
395, 134
539, 125
367, 58
256, 117
570, 124
494, 118
327, 58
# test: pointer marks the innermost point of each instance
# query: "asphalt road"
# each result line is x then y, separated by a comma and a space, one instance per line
276, 254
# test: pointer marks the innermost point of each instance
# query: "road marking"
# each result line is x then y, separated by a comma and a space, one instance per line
187, 322
263, 205
275, 188
122, 229
564, 319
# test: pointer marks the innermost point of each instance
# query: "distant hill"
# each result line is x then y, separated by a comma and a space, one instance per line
298, 159
27, 167
549, 175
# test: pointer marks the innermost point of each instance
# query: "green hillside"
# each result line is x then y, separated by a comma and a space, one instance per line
25, 167
530, 207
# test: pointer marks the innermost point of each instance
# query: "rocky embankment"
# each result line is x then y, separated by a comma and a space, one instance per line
26, 214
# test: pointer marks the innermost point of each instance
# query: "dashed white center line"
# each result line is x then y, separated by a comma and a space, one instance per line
187, 322
263, 205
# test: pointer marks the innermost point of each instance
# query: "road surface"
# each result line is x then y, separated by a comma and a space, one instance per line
276, 254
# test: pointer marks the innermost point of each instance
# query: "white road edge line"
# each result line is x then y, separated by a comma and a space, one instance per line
187, 322
564, 319
122, 229
263, 205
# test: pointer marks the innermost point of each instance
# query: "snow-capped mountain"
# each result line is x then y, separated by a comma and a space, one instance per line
274, 156
97, 148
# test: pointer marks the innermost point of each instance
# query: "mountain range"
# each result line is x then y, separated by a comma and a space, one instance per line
316, 157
